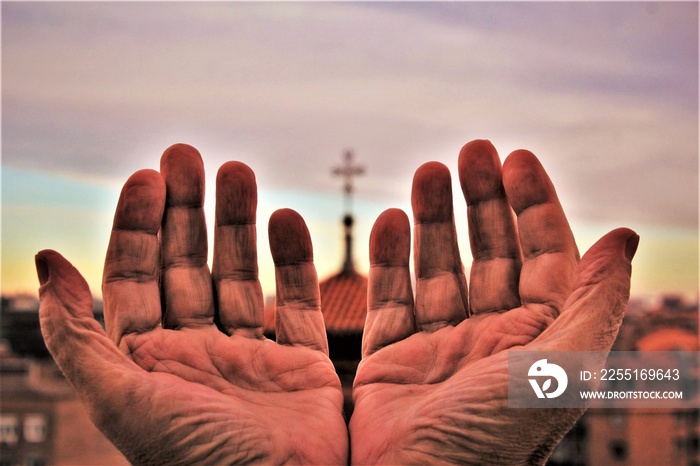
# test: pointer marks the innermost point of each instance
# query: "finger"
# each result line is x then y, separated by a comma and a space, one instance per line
235, 268
76, 341
187, 283
299, 320
550, 256
593, 313
130, 281
441, 287
390, 297
495, 272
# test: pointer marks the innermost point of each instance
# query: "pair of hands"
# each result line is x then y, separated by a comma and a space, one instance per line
183, 373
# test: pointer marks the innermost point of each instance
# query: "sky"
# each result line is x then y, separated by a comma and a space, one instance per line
605, 94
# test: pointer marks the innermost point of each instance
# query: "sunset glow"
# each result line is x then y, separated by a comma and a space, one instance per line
606, 94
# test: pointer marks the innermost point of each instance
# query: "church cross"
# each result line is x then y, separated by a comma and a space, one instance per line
348, 170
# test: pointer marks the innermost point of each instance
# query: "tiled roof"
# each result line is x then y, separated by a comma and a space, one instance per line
343, 303
668, 339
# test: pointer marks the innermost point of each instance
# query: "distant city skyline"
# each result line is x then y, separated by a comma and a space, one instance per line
605, 94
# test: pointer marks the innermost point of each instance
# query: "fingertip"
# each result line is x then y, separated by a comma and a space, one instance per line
179, 149
236, 194
146, 177
610, 256
480, 171
64, 280
234, 170
183, 170
521, 156
179, 155
431, 195
600, 295
390, 239
477, 145
42, 266
476, 149
286, 217
623, 240
141, 202
392, 219
51, 258
290, 242
631, 246
519, 163
525, 181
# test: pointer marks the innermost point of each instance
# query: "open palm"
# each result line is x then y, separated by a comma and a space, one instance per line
432, 385
184, 374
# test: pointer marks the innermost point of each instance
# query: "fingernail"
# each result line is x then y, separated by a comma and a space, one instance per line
631, 246
42, 269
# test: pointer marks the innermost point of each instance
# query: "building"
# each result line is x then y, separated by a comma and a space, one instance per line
643, 436
344, 297
42, 421
344, 306
19, 325
639, 436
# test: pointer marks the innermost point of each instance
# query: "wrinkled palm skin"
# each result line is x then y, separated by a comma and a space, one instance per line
184, 375
432, 386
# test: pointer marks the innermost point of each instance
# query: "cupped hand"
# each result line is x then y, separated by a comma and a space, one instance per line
183, 374
432, 385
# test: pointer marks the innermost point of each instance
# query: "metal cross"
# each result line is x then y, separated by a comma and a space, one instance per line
348, 171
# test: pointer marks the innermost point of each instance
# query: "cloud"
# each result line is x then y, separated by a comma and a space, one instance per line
604, 93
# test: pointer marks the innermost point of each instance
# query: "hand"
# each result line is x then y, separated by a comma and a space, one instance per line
184, 375
432, 385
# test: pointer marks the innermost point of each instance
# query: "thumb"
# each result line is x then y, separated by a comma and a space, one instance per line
74, 338
592, 314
